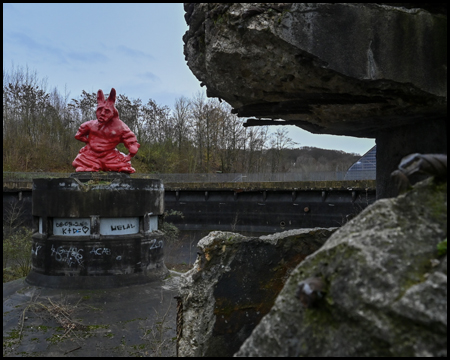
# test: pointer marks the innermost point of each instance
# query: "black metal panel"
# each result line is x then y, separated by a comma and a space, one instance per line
264, 211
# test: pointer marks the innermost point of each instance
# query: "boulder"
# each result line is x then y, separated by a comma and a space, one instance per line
233, 284
383, 287
335, 68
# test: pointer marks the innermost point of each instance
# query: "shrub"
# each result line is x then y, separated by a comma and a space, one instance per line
16, 253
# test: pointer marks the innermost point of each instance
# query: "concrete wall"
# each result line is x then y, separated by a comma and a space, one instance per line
250, 207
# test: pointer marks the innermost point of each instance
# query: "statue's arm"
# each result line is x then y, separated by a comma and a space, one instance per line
83, 132
130, 141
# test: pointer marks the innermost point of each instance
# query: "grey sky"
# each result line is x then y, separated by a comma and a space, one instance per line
135, 48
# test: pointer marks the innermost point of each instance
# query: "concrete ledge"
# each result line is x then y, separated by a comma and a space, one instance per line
17, 185
275, 185
13, 186
67, 197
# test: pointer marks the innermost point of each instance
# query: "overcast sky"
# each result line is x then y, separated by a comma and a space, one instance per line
135, 48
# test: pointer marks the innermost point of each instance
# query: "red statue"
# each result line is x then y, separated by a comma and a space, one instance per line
102, 136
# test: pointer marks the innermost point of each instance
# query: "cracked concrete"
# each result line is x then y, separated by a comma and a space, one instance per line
128, 321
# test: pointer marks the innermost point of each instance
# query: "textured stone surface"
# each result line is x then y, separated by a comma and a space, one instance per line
234, 283
386, 287
392, 145
340, 68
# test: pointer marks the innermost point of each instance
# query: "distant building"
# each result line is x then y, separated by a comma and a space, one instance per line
365, 168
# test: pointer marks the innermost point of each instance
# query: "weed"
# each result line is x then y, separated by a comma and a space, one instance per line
13, 334
94, 327
442, 247
16, 242
56, 338
16, 253
61, 312
156, 334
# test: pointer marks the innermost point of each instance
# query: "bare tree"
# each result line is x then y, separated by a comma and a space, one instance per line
278, 143
197, 135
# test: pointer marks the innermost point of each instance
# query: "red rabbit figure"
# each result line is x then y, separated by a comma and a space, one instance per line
102, 136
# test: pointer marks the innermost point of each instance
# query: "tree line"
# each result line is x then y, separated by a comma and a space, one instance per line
197, 135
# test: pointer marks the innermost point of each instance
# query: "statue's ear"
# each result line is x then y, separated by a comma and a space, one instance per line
112, 96
100, 96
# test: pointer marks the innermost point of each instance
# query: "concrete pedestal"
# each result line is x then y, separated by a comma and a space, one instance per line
94, 231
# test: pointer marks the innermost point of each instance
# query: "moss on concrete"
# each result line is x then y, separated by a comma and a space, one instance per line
276, 185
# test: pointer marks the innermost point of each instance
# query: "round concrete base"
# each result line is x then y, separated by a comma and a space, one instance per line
83, 263
99, 233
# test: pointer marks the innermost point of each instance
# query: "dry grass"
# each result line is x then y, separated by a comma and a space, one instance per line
60, 311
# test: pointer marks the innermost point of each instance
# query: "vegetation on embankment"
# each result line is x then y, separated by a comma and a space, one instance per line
197, 135
17, 244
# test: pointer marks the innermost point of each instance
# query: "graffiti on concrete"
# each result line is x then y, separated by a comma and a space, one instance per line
156, 244
35, 248
62, 223
119, 226
100, 251
70, 256
122, 227
71, 227
74, 231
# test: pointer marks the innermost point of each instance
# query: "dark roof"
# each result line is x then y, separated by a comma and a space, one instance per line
365, 168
